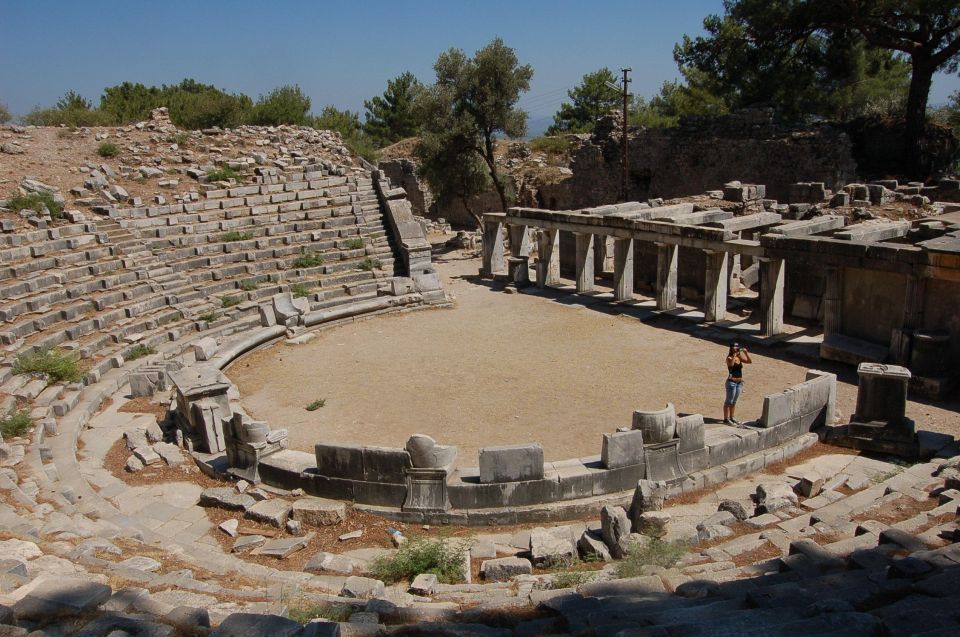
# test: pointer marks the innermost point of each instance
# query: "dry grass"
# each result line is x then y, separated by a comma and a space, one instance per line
143, 405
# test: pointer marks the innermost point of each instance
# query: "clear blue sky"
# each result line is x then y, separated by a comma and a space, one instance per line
339, 53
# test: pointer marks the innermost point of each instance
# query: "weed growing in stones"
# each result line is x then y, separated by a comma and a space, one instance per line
303, 610
108, 149
248, 286
15, 424
354, 244
223, 174
422, 556
317, 404
36, 201
51, 362
369, 264
207, 317
230, 301
310, 260
233, 235
139, 351
299, 290
652, 552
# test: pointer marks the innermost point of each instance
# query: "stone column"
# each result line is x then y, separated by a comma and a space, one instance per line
548, 263
603, 248
833, 302
771, 296
584, 262
623, 269
519, 240
901, 339
715, 290
666, 276
492, 247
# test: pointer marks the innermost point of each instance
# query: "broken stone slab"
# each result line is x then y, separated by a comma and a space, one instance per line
811, 485
141, 563
591, 546
362, 588
247, 543
735, 508
323, 562
205, 348
254, 625
273, 512
708, 532
169, 452
147, 455
226, 498
615, 528
283, 548
424, 584
762, 521
47, 597
352, 535
230, 527
648, 496
652, 523
318, 512
546, 549
773, 496
135, 438
505, 568
133, 464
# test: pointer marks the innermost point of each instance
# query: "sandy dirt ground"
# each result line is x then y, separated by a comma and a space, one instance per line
510, 368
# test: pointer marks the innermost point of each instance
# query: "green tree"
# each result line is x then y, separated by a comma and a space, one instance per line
5, 115
810, 48
282, 105
130, 102
471, 103
72, 100
392, 117
591, 99
345, 122
674, 101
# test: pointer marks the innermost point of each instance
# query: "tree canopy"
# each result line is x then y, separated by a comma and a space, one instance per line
471, 103
829, 57
391, 117
590, 100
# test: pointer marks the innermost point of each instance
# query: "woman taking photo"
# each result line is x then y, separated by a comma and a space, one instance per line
736, 357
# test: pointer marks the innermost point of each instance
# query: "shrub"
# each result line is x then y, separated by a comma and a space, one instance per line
354, 244
230, 301
36, 201
139, 351
653, 552
282, 105
317, 404
207, 317
108, 149
181, 138
53, 363
369, 264
303, 610
233, 235
421, 556
571, 579
310, 260
223, 174
299, 290
5, 115
248, 286
15, 424
551, 145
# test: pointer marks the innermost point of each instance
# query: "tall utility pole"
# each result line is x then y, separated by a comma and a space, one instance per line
625, 191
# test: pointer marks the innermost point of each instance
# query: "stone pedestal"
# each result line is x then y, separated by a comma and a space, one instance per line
666, 276
715, 289
585, 278
519, 241
427, 491
662, 461
771, 296
623, 269
202, 405
518, 271
548, 261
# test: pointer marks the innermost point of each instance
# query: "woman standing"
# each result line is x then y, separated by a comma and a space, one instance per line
736, 357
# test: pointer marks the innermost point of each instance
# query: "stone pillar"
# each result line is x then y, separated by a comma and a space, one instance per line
519, 240
548, 263
666, 276
623, 269
771, 296
603, 248
492, 247
913, 306
715, 290
833, 302
881, 393
584, 262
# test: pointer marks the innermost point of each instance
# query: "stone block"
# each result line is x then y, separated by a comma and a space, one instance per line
615, 529
622, 449
362, 588
256, 625
319, 512
697, 460
339, 461
50, 597
505, 568
511, 463
591, 546
226, 498
690, 431
777, 408
331, 563
205, 348
723, 447
652, 523
773, 496
424, 584
547, 549
273, 512
385, 464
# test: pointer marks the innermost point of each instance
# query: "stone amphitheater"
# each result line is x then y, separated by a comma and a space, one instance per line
144, 500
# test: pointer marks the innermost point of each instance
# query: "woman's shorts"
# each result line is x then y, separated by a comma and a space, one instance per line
734, 389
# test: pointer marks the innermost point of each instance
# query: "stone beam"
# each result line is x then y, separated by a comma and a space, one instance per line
809, 226
747, 222
697, 218
874, 231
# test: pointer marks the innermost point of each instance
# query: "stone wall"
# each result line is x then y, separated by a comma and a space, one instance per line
703, 154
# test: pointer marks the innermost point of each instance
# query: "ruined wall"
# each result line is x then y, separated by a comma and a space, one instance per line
702, 154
